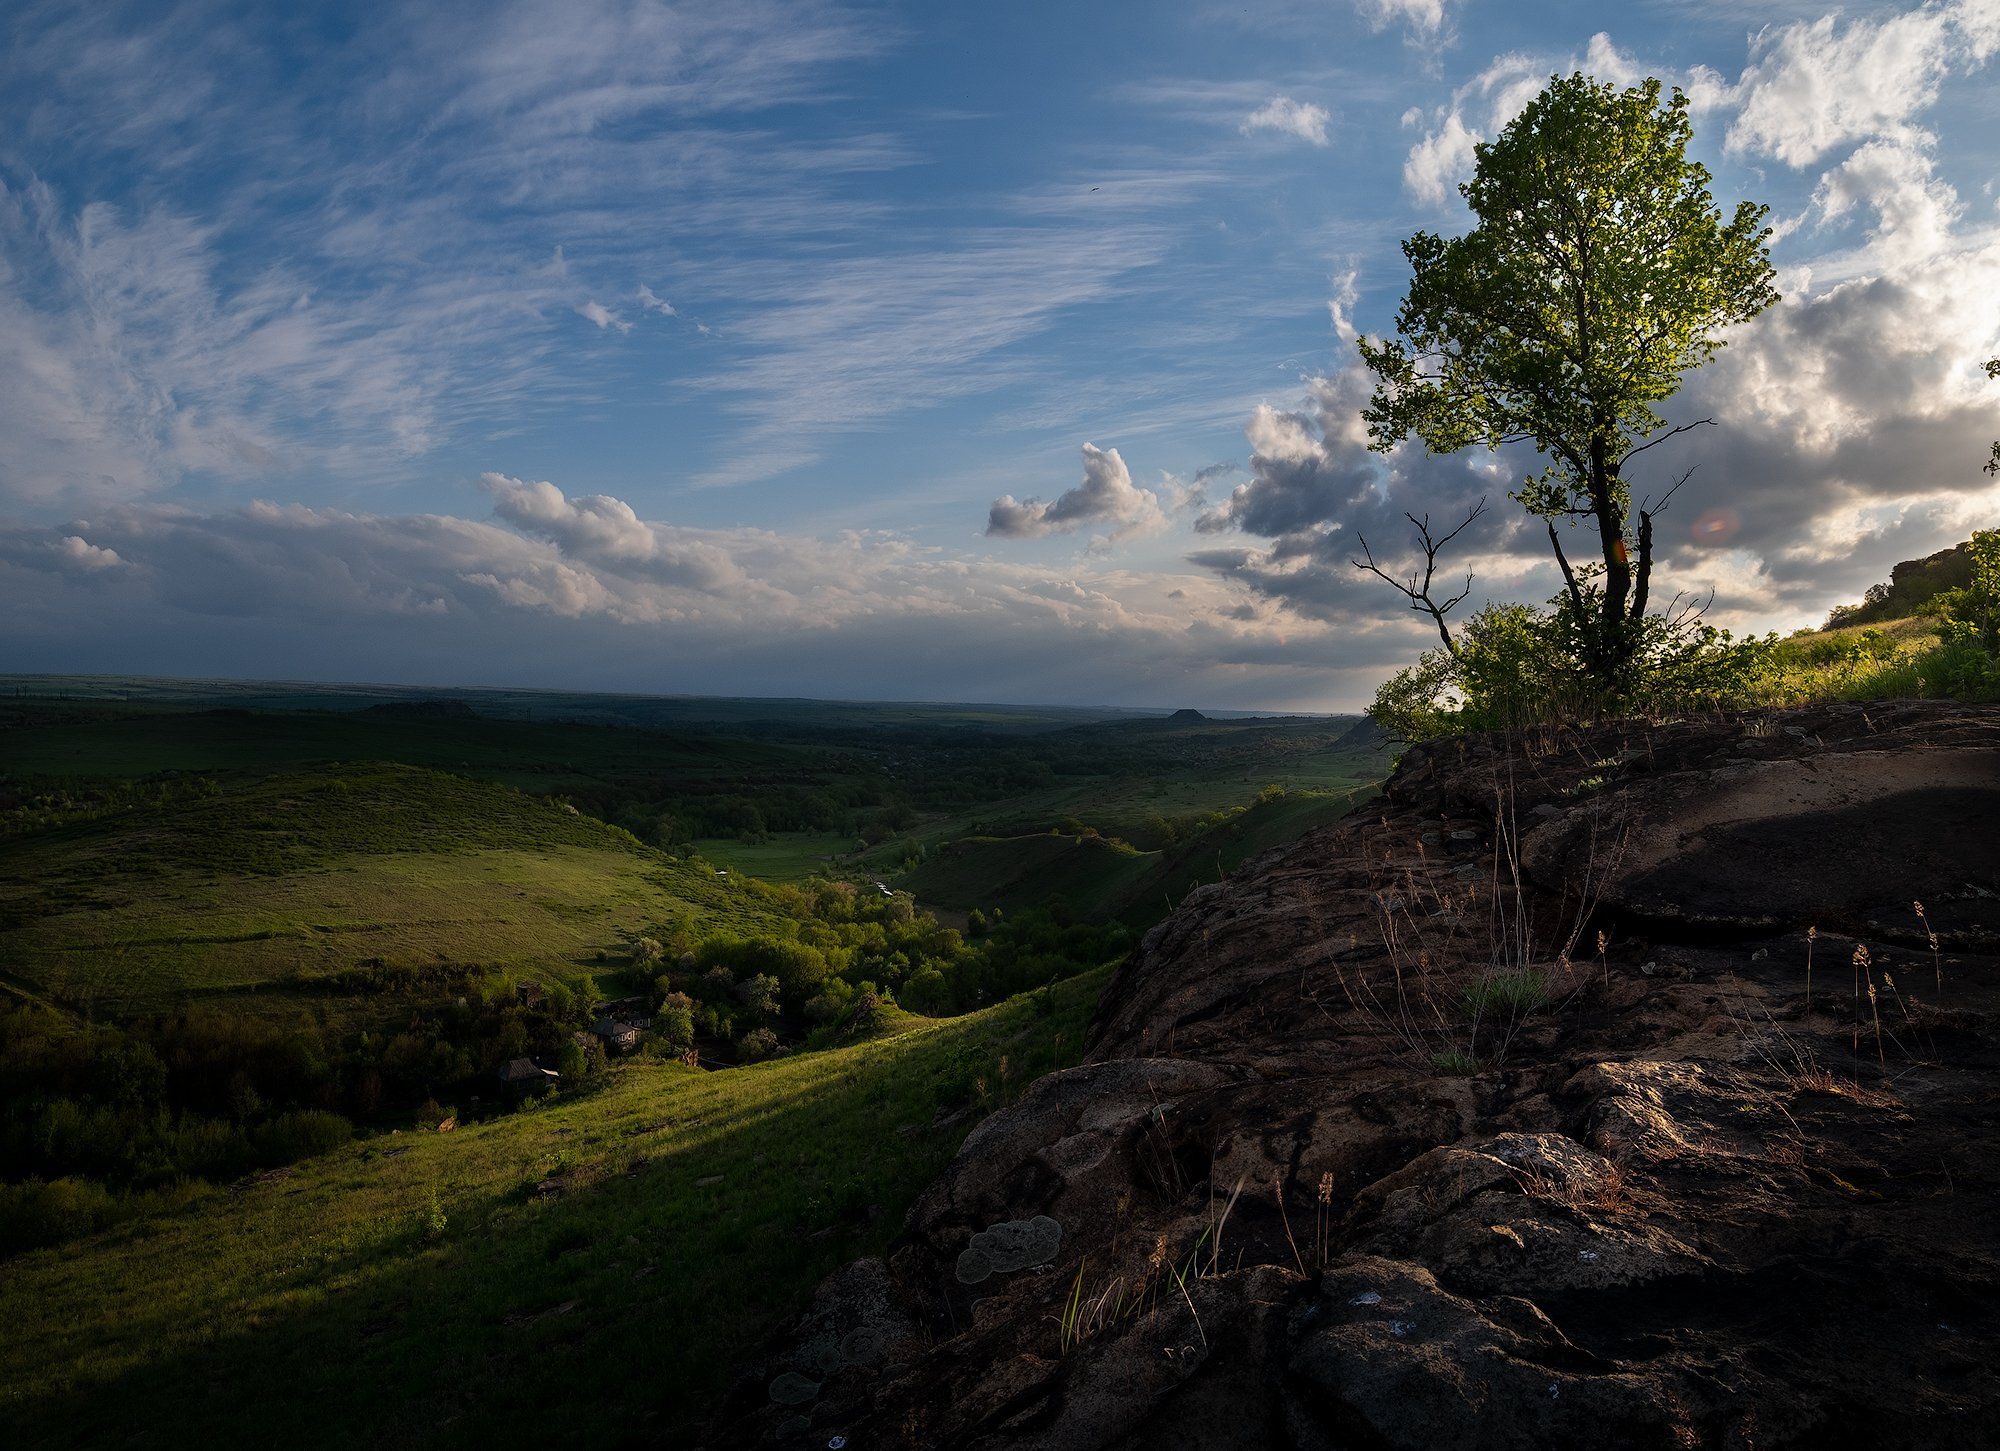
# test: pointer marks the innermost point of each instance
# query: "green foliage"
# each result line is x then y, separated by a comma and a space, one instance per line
1947, 645
1510, 995
1518, 666
1921, 586
685, 1227
145, 1107
1993, 463
1599, 272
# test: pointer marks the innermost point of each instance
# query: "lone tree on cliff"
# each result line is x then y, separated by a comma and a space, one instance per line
1600, 271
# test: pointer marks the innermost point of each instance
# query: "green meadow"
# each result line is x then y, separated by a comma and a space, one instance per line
580, 1273
263, 889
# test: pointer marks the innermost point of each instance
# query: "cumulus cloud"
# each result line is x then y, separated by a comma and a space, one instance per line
653, 302
599, 528
1106, 497
1816, 85
1292, 118
1315, 490
1437, 164
559, 591
80, 553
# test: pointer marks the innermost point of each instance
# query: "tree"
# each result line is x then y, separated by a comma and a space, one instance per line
1599, 272
1993, 464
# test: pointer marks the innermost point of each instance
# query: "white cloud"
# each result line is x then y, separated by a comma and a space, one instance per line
1915, 212
79, 553
654, 303
1293, 118
602, 316
1340, 307
1107, 496
571, 595
1424, 19
600, 529
1815, 85
1440, 161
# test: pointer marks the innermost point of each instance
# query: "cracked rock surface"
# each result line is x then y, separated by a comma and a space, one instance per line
1372, 1149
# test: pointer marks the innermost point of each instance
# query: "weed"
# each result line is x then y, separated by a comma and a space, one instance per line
1930, 935
1512, 993
1455, 1063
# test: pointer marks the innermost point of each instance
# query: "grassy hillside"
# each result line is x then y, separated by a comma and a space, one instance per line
1891, 660
425, 1290
259, 888
1105, 880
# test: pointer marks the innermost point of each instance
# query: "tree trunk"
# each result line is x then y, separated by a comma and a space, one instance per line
1613, 647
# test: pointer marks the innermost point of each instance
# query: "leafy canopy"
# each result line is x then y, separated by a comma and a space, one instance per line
1993, 464
1600, 271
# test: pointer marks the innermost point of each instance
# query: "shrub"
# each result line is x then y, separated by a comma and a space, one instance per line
673, 1023
759, 995
300, 1134
757, 1044
37, 1213
1516, 666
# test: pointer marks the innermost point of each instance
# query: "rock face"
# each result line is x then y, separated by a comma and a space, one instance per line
1380, 1144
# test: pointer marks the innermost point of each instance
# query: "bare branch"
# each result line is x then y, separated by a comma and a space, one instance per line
1418, 591
1662, 438
1660, 508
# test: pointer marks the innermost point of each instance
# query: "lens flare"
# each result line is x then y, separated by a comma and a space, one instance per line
1714, 527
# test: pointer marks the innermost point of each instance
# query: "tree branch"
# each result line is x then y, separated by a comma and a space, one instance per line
1569, 575
1418, 593
1662, 438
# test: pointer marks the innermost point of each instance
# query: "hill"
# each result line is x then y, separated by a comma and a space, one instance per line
1918, 635
1095, 878
580, 1274
261, 890
1512, 1116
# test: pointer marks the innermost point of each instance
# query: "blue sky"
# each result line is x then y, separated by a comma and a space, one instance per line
966, 352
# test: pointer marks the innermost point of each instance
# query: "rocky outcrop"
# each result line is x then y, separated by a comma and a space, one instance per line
1626, 1087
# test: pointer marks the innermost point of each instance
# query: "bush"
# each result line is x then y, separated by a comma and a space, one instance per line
1517, 666
673, 1023
757, 1044
36, 1213
301, 1134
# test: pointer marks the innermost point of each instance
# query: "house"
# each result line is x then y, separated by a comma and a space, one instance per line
616, 1035
525, 1074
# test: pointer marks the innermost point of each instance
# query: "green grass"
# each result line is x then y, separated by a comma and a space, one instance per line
1887, 660
327, 1307
786, 857
270, 884
1103, 880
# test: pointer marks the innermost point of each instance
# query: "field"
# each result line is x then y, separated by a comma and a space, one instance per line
251, 935
270, 885
161, 849
419, 1290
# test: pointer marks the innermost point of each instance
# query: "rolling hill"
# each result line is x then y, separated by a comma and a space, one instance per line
264, 889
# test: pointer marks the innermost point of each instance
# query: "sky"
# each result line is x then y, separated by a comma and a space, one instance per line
903, 350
